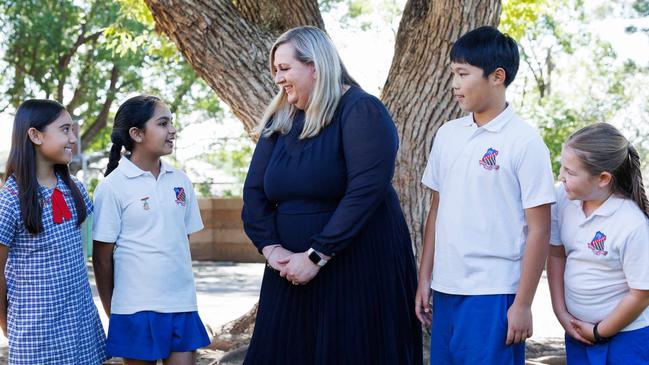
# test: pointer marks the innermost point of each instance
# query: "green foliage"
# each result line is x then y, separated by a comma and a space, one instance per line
517, 15
69, 50
569, 77
101, 142
91, 186
641, 7
233, 161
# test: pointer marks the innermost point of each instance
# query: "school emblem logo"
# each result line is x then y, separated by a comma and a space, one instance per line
181, 198
488, 161
597, 244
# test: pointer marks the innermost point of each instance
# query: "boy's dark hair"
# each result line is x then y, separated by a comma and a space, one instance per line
487, 48
134, 112
38, 114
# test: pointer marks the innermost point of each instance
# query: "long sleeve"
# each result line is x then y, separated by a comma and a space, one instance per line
370, 143
258, 212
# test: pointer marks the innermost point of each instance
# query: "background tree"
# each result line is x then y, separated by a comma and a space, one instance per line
570, 76
87, 55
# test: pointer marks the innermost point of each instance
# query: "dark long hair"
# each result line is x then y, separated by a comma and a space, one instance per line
601, 147
38, 114
133, 113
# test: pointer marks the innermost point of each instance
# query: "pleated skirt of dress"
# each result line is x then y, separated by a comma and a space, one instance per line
359, 309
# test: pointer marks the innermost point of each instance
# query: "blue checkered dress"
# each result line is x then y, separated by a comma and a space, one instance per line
52, 318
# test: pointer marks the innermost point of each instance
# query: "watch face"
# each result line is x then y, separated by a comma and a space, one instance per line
315, 258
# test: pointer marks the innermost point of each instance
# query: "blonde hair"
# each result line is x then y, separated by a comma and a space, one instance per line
312, 46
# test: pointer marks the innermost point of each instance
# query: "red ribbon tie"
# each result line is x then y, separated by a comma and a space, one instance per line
60, 210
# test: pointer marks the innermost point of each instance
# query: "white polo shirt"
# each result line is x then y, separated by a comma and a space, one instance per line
149, 221
486, 176
607, 253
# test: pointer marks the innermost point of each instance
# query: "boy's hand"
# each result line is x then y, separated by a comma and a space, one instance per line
422, 303
566, 322
519, 323
584, 329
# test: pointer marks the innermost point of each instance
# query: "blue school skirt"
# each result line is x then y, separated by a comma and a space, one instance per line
152, 336
625, 348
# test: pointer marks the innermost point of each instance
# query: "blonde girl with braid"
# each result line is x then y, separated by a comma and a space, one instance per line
598, 267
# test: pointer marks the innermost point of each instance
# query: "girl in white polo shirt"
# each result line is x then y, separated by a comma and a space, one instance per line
598, 266
144, 212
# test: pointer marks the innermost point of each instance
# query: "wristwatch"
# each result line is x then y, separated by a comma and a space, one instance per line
315, 257
598, 338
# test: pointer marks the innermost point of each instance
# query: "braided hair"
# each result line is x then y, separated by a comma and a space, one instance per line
133, 113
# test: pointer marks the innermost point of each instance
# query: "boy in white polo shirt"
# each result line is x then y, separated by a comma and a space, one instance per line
598, 268
144, 212
487, 232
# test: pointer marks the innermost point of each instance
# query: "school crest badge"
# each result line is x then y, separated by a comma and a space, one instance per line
181, 197
597, 244
488, 161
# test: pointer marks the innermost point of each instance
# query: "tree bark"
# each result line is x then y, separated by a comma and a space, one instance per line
228, 44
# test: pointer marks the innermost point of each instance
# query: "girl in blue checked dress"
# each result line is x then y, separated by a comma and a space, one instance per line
46, 306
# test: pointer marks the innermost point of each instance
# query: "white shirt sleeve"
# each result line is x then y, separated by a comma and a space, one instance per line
193, 220
555, 225
107, 218
634, 254
431, 174
534, 172
555, 233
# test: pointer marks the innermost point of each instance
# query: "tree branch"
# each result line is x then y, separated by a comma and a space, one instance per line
102, 117
65, 59
83, 79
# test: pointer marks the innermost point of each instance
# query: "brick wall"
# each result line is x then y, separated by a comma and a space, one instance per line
223, 238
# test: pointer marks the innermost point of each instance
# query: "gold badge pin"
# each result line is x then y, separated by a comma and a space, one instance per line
145, 203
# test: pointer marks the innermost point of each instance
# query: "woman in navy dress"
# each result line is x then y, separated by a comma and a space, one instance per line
340, 282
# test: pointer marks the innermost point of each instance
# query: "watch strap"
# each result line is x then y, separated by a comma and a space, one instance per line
598, 338
315, 257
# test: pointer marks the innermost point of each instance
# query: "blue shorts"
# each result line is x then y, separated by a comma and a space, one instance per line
472, 329
152, 336
625, 348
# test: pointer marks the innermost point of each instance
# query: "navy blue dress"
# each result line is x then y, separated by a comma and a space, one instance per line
333, 192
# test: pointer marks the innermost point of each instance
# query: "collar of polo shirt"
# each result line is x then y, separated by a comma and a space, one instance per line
496, 124
131, 170
610, 206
